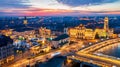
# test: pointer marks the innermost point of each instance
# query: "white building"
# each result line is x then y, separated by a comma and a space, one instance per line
60, 41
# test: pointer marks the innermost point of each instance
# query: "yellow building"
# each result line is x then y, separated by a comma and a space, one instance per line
83, 33
89, 34
106, 24
77, 32
46, 33
101, 32
35, 49
46, 49
73, 32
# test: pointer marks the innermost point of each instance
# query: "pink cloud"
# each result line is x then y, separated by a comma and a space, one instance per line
52, 12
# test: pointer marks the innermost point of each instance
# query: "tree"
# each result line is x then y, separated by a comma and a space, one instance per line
96, 36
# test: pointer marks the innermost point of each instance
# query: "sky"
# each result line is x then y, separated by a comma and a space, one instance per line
59, 7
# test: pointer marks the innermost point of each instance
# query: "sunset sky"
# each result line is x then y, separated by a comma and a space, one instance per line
59, 7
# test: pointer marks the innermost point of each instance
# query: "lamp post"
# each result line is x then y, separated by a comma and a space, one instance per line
29, 58
0, 63
28, 63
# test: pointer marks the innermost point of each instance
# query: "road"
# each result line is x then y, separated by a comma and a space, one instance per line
88, 54
102, 61
64, 50
85, 54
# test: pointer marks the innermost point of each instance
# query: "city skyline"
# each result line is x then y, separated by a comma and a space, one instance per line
59, 7
59, 33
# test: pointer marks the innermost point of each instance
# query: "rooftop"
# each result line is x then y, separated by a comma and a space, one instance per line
5, 40
63, 36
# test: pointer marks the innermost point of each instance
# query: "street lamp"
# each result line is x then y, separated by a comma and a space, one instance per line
96, 40
114, 66
90, 43
73, 56
83, 46
29, 62
29, 59
107, 37
102, 39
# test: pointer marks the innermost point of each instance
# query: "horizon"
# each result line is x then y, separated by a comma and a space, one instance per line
60, 8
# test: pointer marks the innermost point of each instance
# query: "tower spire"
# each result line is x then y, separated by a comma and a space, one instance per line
106, 24
25, 21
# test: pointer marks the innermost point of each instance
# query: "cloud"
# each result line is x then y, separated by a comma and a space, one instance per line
11, 14
13, 4
53, 12
75, 3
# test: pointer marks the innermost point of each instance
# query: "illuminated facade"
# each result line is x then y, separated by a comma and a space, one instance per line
83, 33
100, 32
7, 32
106, 25
46, 33
89, 34
35, 50
25, 21
77, 32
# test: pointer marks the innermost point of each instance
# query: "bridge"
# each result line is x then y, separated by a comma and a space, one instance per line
99, 45
85, 55
88, 54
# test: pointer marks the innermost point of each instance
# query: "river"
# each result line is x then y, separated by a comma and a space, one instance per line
111, 50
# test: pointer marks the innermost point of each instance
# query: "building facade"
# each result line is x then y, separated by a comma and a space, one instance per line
6, 49
60, 41
84, 33
81, 32
7, 32
46, 33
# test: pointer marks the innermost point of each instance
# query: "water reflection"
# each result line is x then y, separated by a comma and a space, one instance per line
111, 50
